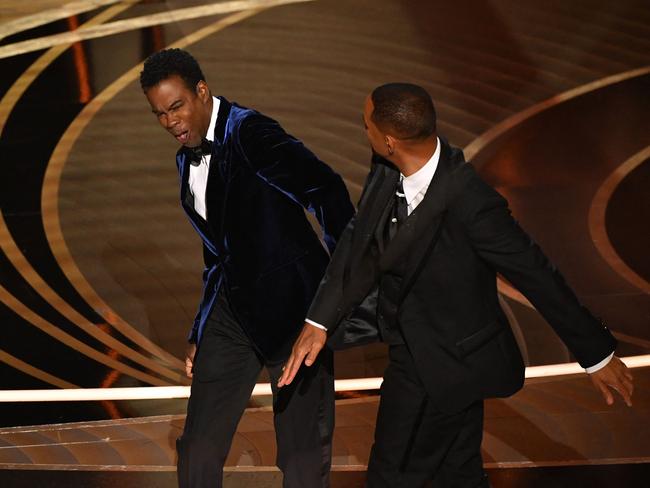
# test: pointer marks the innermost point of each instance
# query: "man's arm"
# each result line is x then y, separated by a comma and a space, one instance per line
286, 164
499, 240
325, 310
209, 260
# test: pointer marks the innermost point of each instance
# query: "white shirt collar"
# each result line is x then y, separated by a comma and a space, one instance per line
420, 180
213, 119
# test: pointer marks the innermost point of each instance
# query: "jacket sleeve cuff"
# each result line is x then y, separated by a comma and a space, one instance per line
600, 365
316, 324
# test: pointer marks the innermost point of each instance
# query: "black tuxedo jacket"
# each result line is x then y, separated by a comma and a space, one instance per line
257, 242
454, 243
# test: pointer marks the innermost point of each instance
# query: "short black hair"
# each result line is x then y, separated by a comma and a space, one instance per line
169, 62
405, 109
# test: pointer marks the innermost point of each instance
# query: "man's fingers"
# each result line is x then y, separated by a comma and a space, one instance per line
624, 394
624, 388
627, 383
604, 390
188, 367
189, 360
309, 343
628, 374
622, 383
285, 372
614, 376
291, 368
293, 363
313, 353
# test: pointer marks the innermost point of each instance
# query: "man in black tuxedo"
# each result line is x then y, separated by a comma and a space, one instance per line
245, 184
418, 265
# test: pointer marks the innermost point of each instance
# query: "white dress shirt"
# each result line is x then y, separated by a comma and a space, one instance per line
416, 185
415, 188
198, 178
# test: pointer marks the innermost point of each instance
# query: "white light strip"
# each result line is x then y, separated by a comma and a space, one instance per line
167, 392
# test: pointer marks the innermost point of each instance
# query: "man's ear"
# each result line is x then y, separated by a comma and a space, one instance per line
390, 143
203, 91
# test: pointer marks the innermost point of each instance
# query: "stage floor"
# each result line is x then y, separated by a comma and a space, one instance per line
556, 423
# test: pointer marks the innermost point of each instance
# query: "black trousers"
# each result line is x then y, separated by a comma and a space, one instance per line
415, 444
226, 368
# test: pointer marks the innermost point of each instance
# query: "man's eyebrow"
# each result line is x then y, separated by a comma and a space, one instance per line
172, 105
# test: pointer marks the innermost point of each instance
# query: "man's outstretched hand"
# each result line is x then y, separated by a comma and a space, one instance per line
309, 343
617, 376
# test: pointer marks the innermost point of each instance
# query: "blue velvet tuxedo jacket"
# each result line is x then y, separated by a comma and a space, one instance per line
257, 241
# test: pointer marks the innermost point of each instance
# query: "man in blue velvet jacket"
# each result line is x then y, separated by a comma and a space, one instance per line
245, 184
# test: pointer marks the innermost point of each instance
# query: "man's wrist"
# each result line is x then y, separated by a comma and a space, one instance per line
600, 365
316, 324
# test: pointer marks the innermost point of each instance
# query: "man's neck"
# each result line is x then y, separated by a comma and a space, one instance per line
413, 157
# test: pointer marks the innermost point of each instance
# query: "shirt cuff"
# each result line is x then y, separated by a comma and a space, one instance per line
600, 365
316, 324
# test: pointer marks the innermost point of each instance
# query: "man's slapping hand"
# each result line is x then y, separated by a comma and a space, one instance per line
309, 343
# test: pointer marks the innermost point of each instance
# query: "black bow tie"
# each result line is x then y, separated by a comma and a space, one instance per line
196, 153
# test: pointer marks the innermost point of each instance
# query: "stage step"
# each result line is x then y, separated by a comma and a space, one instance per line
589, 475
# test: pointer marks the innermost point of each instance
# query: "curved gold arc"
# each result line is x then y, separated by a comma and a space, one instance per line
50, 194
135, 23
597, 227
52, 14
39, 374
508, 290
19, 261
473, 148
16, 257
53, 331
17, 90
478, 144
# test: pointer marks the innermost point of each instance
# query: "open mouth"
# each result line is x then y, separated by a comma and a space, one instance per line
183, 137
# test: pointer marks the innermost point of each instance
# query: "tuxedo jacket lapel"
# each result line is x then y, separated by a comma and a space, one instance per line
370, 214
219, 173
187, 201
212, 229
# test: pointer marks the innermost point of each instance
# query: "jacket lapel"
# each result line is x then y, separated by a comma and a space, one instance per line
215, 202
218, 175
380, 192
187, 200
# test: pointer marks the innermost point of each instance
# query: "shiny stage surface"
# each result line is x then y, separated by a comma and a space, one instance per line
99, 268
